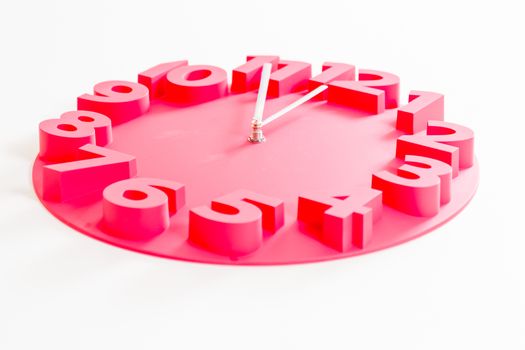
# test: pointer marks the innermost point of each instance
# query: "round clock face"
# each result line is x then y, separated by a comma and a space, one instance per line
175, 176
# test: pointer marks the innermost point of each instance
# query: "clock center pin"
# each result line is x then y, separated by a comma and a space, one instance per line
257, 135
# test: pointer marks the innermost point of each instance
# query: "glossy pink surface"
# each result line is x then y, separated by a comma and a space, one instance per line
318, 148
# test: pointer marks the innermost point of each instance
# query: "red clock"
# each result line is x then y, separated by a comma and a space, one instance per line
277, 167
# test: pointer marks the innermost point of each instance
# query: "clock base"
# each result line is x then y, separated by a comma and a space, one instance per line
343, 148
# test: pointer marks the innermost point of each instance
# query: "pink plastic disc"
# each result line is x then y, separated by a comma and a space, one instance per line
321, 148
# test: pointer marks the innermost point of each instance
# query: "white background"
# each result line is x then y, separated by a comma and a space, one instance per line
460, 287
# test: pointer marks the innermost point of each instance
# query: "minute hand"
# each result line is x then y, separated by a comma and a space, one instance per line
297, 103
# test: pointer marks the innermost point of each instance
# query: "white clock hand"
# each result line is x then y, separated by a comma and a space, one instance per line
297, 103
257, 122
257, 135
263, 89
